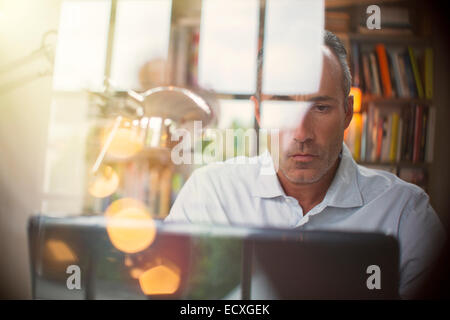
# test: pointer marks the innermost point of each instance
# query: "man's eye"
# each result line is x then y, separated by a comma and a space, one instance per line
322, 108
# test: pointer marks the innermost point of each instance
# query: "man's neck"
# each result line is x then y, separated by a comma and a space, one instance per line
311, 194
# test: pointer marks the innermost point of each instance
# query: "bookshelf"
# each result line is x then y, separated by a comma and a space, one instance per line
394, 69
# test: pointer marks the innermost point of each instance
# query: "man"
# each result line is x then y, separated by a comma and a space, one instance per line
317, 184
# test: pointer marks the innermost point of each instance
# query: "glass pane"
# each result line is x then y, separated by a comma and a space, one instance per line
228, 46
65, 166
81, 50
236, 114
292, 46
141, 36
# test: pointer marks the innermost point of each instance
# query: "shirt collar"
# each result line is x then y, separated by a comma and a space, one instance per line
343, 192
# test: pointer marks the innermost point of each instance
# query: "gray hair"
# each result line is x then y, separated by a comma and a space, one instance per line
337, 47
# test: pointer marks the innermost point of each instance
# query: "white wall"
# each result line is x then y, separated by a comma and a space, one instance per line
24, 117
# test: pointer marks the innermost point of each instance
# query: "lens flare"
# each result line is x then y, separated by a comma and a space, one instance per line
103, 183
127, 140
129, 225
357, 97
161, 279
60, 251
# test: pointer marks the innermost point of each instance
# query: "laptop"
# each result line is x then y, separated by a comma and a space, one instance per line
85, 258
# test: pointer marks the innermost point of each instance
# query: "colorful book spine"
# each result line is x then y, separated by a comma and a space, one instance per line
380, 135
357, 117
403, 76
375, 75
396, 73
417, 133
384, 70
394, 137
390, 136
430, 135
416, 73
423, 137
429, 73
410, 76
355, 66
363, 137
398, 156
366, 72
387, 132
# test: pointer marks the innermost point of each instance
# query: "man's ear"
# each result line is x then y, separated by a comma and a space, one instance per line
257, 110
349, 110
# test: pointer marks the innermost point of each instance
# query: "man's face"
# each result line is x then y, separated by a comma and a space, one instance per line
308, 150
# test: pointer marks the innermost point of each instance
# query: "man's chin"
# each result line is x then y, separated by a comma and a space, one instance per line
303, 176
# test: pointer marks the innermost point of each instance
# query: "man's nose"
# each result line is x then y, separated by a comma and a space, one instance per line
304, 131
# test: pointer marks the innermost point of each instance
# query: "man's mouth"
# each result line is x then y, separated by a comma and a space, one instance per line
303, 157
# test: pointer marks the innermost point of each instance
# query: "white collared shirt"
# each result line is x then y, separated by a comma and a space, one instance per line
246, 191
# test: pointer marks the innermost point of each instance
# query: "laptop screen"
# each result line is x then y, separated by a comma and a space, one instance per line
82, 258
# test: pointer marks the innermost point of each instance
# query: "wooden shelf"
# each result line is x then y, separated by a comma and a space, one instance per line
390, 39
332, 4
404, 164
380, 100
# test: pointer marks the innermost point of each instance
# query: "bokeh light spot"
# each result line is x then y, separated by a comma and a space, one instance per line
103, 183
126, 141
129, 225
60, 251
162, 279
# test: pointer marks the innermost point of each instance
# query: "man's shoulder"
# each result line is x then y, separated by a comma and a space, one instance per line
377, 181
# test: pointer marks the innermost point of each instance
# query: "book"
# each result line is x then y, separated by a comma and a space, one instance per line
380, 135
374, 133
357, 117
394, 137
392, 76
355, 65
384, 70
375, 75
400, 58
410, 76
423, 137
416, 73
363, 137
398, 156
417, 133
366, 72
429, 73
391, 134
430, 135
400, 86
387, 132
